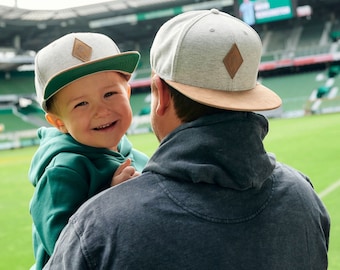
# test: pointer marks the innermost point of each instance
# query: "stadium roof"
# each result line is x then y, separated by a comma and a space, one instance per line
128, 22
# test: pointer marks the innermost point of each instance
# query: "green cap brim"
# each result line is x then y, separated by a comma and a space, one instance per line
124, 62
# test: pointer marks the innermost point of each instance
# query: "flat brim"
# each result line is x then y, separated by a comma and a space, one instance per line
125, 63
259, 98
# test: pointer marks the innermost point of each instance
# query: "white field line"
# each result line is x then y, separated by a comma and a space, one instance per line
330, 189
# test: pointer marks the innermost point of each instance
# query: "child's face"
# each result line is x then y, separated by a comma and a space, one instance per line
95, 110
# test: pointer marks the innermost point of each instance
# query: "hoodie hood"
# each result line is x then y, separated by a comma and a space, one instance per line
224, 149
53, 142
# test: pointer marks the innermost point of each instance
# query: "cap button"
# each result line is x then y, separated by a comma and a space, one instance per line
215, 11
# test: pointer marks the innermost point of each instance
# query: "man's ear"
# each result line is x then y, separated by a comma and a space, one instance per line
163, 95
55, 121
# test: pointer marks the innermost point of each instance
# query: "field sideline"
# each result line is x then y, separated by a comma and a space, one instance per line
310, 144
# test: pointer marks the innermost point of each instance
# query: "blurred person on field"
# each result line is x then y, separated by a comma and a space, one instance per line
247, 12
210, 197
82, 84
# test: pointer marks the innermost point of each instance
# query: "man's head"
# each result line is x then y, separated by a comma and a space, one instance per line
75, 56
212, 58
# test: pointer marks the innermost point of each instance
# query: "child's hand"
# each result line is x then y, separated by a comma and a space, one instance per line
124, 172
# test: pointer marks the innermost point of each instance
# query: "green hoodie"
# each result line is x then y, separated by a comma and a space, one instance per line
65, 174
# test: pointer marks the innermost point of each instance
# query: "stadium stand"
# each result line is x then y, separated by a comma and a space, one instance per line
298, 55
335, 30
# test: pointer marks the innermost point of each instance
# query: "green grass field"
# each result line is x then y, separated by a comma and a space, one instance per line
310, 144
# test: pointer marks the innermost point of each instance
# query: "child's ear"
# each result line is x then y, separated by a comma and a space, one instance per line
128, 90
55, 121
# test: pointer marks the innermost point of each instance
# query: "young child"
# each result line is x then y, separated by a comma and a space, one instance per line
81, 81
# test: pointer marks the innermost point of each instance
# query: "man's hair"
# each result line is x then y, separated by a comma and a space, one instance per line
187, 109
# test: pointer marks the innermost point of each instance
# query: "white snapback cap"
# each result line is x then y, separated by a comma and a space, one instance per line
74, 56
212, 58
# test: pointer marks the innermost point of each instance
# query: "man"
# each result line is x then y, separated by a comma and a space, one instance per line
210, 197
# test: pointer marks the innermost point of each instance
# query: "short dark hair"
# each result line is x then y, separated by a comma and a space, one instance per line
50, 105
187, 109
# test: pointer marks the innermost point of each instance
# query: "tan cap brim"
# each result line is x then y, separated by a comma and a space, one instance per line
259, 98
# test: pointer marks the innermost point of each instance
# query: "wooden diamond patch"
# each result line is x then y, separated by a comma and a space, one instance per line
81, 50
233, 60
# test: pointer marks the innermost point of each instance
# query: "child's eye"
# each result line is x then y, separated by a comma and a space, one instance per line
83, 103
109, 94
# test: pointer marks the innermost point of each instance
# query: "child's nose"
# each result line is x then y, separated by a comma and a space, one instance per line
102, 110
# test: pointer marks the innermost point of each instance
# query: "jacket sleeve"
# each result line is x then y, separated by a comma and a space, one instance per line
89, 240
69, 253
58, 194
